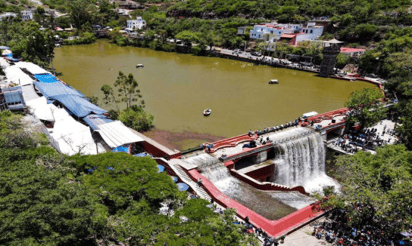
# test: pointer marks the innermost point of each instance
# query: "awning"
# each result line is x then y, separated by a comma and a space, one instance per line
94, 121
71, 137
14, 96
182, 186
32, 68
15, 75
46, 78
49, 90
41, 109
116, 134
79, 106
29, 93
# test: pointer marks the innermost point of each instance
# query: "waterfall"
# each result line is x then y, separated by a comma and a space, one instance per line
302, 160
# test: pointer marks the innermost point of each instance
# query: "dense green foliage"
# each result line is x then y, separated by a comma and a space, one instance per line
27, 41
365, 107
381, 184
50, 199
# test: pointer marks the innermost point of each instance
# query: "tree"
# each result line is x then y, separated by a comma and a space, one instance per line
380, 184
188, 37
365, 107
405, 128
133, 115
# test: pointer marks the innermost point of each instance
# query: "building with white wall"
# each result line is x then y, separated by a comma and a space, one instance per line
138, 23
262, 30
7, 15
26, 15
292, 33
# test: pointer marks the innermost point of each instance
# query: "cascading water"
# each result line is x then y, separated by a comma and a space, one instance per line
302, 160
259, 201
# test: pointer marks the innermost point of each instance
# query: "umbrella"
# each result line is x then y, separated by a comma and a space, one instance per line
175, 179
160, 168
405, 234
182, 186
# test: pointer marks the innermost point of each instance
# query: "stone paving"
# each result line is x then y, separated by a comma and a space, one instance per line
303, 236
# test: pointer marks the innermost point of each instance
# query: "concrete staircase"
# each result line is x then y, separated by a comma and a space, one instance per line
185, 178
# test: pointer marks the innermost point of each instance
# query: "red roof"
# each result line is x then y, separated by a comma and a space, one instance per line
288, 35
350, 50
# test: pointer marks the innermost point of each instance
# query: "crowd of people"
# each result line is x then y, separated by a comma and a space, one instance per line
366, 139
336, 230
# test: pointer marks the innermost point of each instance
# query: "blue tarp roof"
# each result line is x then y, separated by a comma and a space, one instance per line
174, 178
121, 149
15, 96
46, 78
182, 186
77, 105
94, 121
49, 90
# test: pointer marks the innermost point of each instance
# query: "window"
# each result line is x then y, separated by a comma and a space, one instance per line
311, 31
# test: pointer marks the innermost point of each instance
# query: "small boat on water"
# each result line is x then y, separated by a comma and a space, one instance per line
139, 65
207, 112
273, 81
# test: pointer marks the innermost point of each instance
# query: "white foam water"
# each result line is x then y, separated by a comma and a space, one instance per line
302, 160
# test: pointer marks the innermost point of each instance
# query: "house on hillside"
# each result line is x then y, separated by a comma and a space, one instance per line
241, 30
354, 52
136, 24
129, 5
7, 15
291, 33
26, 15
262, 30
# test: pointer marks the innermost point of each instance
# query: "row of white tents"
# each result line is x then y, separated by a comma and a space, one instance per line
68, 135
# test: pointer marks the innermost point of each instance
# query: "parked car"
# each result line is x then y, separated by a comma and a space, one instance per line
255, 53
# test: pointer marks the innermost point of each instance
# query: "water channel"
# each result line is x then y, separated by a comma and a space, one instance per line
178, 87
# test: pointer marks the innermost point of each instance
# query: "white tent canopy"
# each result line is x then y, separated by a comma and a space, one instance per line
29, 93
4, 63
116, 134
71, 137
40, 108
15, 75
31, 67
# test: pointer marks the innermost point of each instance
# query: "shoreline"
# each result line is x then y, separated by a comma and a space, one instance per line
180, 140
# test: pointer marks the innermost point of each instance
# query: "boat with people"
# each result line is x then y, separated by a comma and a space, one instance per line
139, 65
273, 81
207, 112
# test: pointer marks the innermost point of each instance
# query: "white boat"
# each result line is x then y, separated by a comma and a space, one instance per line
273, 81
207, 112
139, 65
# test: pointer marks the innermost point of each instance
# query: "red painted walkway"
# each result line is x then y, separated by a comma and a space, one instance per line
275, 228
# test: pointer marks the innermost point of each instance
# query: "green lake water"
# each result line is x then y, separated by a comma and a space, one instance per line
178, 87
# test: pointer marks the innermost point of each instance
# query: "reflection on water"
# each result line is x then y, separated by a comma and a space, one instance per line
178, 87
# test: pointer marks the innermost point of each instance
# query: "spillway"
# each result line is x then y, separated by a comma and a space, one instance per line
301, 160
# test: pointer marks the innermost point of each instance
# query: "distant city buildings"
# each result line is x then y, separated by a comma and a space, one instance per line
136, 24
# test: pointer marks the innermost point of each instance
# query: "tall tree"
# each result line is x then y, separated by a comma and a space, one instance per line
365, 107
380, 185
